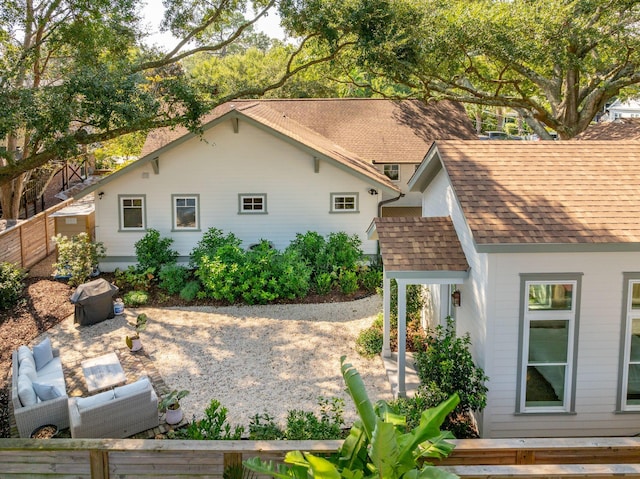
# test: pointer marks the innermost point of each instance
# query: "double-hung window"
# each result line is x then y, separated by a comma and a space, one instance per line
344, 202
548, 342
132, 212
252, 203
629, 396
185, 212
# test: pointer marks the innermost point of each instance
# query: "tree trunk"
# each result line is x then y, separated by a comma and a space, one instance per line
10, 197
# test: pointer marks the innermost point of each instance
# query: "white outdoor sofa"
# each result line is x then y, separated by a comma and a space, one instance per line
116, 413
39, 396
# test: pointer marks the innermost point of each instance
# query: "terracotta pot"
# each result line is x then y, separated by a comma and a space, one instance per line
173, 416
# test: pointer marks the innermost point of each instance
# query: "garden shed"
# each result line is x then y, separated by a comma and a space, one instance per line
79, 217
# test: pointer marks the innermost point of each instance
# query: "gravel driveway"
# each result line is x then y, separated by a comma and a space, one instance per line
253, 359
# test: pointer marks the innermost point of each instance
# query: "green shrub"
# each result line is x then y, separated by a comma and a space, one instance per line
220, 275
311, 246
446, 367
369, 341
173, 278
348, 281
262, 427
414, 300
135, 298
213, 426
78, 257
11, 285
153, 252
305, 425
344, 252
324, 282
190, 290
371, 278
133, 278
212, 239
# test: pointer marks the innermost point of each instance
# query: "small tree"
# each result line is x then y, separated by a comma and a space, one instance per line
78, 257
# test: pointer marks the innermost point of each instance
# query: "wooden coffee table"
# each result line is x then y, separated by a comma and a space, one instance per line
103, 372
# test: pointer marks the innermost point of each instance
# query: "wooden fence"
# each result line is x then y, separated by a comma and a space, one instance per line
29, 242
164, 459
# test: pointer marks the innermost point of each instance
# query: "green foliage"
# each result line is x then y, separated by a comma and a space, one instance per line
172, 399
213, 426
153, 252
348, 281
212, 239
133, 278
116, 153
369, 341
414, 301
173, 278
371, 278
11, 285
446, 366
324, 282
190, 290
262, 427
378, 444
78, 257
134, 299
305, 425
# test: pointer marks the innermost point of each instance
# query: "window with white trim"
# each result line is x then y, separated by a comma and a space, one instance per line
185, 212
344, 202
392, 172
132, 213
548, 342
630, 391
252, 203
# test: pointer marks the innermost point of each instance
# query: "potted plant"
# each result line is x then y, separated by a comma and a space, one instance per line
171, 405
133, 342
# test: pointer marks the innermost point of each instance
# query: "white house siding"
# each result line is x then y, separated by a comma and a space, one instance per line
409, 199
218, 169
598, 346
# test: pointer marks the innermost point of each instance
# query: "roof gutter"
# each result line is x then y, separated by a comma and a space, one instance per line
384, 202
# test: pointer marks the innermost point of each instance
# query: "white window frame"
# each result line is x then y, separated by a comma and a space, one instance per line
336, 196
121, 209
628, 315
392, 166
174, 212
572, 318
252, 196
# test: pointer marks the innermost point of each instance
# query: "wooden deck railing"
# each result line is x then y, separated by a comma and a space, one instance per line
481, 458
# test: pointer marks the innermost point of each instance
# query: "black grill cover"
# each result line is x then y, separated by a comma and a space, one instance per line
94, 302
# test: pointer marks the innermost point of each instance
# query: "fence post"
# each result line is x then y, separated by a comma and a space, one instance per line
232, 459
99, 464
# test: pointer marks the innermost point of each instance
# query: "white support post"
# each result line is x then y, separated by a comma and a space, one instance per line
402, 337
386, 308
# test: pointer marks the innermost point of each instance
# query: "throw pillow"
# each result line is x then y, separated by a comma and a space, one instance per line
42, 353
100, 398
141, 384
29, 370
46, 392
25, 391
28, 361
24, 352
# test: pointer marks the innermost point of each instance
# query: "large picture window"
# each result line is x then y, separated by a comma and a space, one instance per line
344, 202
185, 212
548, 343
630, 383
132, 213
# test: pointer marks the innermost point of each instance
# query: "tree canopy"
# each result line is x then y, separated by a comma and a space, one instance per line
76, 72
556, 62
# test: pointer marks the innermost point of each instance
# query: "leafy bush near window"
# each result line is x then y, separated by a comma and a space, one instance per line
213, 426
212, 239
11, 285
190, 291
134, 299
78, 257
173, 278
134, 278
348, 281
445, 366
153, 252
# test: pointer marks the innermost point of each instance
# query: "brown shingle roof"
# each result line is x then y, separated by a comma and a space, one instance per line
560, 192
377, 130
420, 244
621, 129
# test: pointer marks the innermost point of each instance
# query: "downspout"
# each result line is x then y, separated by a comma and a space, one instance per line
380, 205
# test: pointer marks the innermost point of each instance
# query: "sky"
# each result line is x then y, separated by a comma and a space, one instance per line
154, 10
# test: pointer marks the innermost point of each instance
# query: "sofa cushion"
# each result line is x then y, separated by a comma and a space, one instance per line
46, 392
42, 353
129, 389
24, 352
25, 391
101, 398
28, 369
